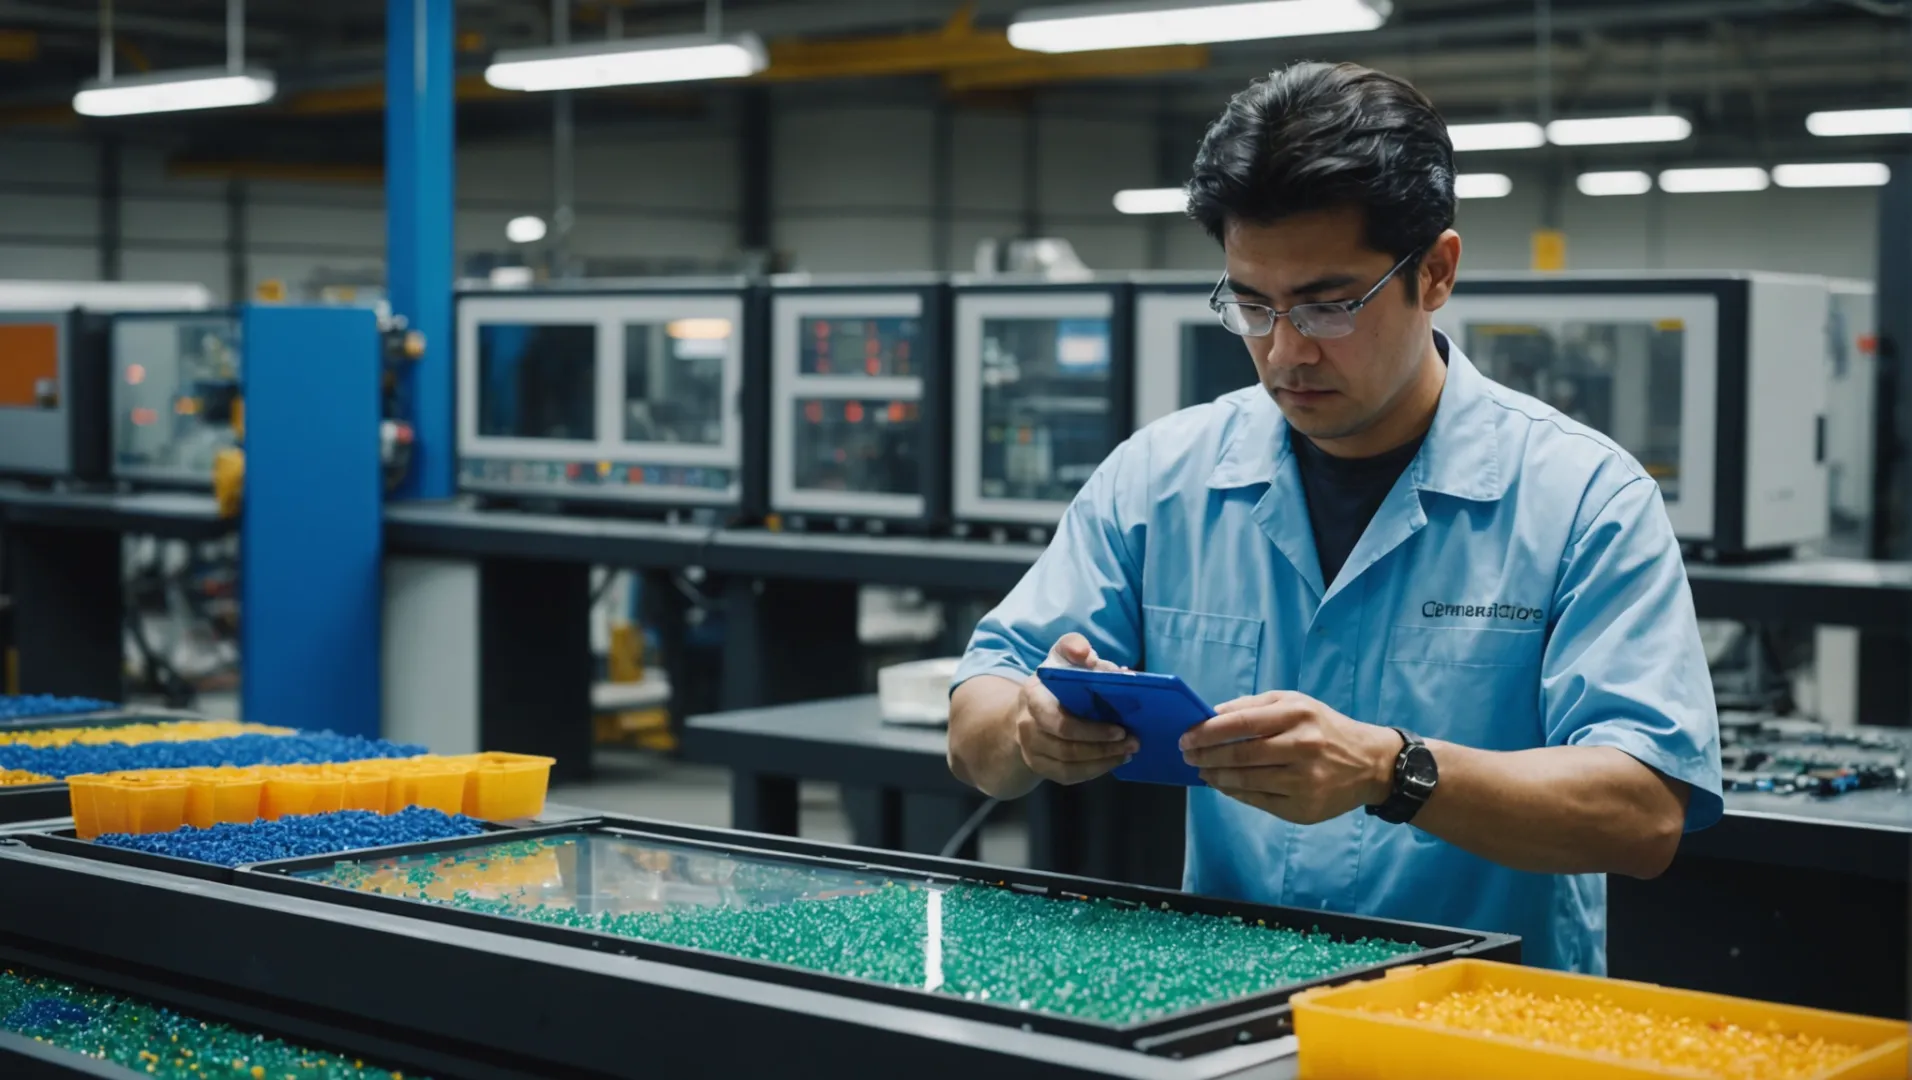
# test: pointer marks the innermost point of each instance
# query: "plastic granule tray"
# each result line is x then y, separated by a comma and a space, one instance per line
152, 1040
1368, 1030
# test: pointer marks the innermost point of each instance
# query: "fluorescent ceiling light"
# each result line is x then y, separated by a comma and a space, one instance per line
1614, 130
690, 58
1481, 185
1168, 200
1832, 174
1129, 24
524, 230
1613, 183
1509, 135
174, 91
1861, 122
1738, 178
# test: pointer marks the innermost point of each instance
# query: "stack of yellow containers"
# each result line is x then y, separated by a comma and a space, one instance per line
494, 786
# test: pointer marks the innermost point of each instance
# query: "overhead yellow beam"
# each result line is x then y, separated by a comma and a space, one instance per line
1032, 68
19, 46
966, 57
288, 172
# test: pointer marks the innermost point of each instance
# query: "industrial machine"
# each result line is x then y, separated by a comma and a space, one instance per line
1716, 383
1183, 354
54, 372
175, 395
628, 395
53, 395
1042, 393
858, 401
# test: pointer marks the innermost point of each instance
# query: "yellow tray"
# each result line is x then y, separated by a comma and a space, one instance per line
1341, 1040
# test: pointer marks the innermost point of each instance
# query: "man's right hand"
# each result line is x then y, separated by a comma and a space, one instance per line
1061, 747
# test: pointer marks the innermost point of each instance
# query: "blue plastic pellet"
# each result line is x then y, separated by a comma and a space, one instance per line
299, 836
316, 748
41, 1013
29, 706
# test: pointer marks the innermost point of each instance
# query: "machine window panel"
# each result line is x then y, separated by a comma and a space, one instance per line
1214, 362
858, 445
674, 380
1045, 406
178, 384
858, 347
537, 381
1623, 378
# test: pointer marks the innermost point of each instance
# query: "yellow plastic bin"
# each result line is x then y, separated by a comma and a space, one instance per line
80, 792
506, 787
1356, 1032
149, 804
287, 794
365, 789
237, 795
439, 785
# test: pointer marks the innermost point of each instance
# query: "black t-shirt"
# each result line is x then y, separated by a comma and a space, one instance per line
1343, 494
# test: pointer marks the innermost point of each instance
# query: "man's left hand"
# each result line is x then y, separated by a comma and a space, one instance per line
1292, 756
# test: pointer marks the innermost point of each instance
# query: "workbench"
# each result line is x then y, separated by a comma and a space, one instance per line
1789, 898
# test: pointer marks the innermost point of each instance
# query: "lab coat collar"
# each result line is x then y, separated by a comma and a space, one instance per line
1460, 457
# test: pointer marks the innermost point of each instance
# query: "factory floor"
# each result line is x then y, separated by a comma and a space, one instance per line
648, 785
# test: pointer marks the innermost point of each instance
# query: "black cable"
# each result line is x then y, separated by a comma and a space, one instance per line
962, 835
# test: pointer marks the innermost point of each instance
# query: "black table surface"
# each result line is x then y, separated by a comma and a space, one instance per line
1815, 589
176, 515
454, 528
846, 740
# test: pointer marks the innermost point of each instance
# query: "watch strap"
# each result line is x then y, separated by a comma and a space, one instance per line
1405, 800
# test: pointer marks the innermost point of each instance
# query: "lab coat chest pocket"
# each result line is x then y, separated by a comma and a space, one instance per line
1477, 686
1218, 656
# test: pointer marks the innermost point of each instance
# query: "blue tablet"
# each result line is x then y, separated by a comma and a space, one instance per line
1156, 709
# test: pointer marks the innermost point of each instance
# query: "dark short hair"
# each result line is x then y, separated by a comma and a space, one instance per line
1315, 136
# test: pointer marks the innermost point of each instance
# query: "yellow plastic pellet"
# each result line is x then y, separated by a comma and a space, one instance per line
12, 777
135, 734
1713, 1048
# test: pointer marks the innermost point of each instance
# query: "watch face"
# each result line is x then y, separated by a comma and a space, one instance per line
1418, 773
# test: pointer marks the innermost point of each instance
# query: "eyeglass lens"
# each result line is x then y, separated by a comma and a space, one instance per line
1313, 320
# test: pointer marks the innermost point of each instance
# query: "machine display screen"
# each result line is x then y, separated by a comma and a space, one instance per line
1623, 378
858, 444
537, 381
1214, 362
674, 381
1045, 406
875, 348
30, 365
1092, 961
175, 388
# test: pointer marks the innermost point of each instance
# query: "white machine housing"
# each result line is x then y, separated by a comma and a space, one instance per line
977, 301
1852, 394
921, 299
607, 467
1169, 306
1750, 474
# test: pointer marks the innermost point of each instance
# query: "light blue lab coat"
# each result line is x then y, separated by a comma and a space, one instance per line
1519, 587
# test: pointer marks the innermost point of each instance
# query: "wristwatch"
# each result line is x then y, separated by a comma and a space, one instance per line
1415, 775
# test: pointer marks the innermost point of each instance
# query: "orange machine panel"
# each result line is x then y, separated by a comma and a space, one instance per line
29, 363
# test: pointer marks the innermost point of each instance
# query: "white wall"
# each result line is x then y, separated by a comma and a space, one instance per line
854, 190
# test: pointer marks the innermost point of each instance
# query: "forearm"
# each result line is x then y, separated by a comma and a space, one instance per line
982, 745
1556, 810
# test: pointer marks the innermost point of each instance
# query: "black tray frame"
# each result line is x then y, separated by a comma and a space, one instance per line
1247, 1019
68, 842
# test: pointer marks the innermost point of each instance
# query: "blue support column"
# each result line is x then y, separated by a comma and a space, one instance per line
419, 250
312, 524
